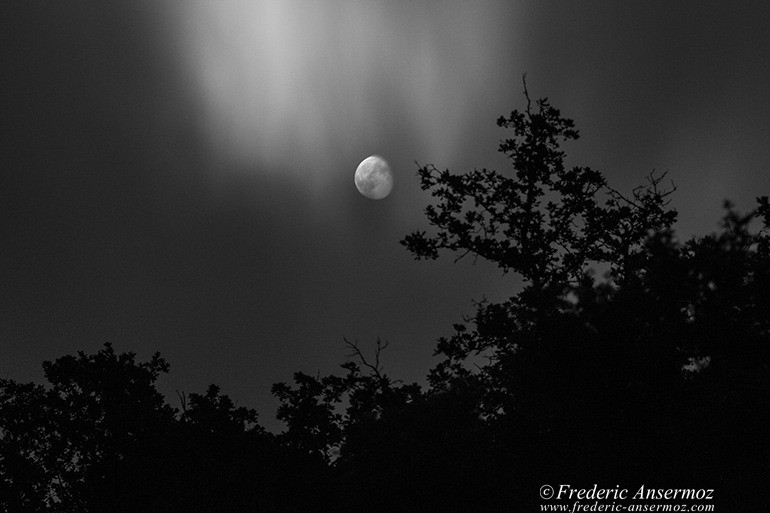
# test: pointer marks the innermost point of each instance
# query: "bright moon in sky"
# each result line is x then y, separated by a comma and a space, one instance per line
373, 178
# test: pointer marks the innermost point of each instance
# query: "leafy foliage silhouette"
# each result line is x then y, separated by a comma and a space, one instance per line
102, 438
654, 372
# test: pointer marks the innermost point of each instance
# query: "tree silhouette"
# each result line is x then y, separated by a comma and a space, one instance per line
62, 439
101, 438
653, 371
639, 372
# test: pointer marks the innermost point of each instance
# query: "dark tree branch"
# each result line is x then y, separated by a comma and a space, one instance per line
182, 400
374, 367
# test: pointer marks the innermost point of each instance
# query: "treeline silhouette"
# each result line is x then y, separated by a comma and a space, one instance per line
653, 371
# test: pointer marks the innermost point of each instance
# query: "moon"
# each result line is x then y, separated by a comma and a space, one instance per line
373, 177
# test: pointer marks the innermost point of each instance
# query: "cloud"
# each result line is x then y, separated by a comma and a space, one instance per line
293, 86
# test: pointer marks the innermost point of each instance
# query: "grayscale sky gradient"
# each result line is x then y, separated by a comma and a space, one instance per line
178, 175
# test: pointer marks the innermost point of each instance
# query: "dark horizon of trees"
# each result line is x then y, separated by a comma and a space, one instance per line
654, 372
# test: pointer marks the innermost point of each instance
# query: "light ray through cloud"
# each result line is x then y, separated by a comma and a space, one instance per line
292, 85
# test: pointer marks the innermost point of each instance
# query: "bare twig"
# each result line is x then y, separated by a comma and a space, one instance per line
375, 367
526, 93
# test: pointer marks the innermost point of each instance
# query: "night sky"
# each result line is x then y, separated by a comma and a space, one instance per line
177, 176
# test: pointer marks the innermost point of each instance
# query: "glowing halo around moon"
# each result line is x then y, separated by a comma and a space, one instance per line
373, 177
